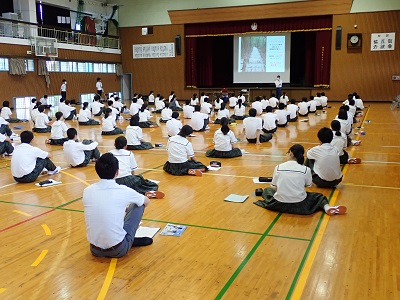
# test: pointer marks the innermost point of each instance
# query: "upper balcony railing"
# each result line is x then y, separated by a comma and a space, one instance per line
25, 30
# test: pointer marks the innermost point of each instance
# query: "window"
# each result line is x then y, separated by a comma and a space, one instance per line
67, 66
78, 67
53, 66
53, 100
30, 65
3, 64
21, 106
111, 68
87, 98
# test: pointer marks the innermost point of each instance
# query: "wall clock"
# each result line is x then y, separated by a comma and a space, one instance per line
354, 40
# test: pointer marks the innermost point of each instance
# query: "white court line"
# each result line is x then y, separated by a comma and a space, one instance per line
381, 162
390, 146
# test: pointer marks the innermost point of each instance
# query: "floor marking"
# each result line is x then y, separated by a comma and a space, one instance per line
22, 213
390, 146
381, 162
40, 258
107, 281
2, 290
77, 178
247, 258
27, 220
46, 229
373, 186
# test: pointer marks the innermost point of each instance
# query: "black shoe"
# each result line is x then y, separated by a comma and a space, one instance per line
143, 241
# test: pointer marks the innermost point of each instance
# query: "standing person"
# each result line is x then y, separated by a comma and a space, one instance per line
134, 135
112, 212
63, 89
58, 129
323, 160
252, 127
28, 162
79, 154
278, 86
181, 160
99, 87
126, 174
289, 196
223, 140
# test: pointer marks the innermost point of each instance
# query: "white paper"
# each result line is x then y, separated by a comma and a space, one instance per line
210, 168
144, 231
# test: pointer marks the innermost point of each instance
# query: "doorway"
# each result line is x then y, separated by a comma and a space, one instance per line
126, 86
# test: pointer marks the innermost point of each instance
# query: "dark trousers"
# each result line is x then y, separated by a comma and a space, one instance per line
40, 165
89, 154
64, 95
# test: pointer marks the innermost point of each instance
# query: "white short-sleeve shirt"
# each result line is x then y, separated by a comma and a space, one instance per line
24, 158
126, 160
166, 114
173, 127
282, 116
303, 107
327, 164
58, 129
251, 125
84, 115
292, 109
41, 120
179, 149
74, 151
6, 113
270, 120
108, 124
197, 121
134, 135
239, 111
188, 111
224, 142
257, 105
96, 107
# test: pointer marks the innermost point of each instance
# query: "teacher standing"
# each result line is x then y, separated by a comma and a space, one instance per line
278, 84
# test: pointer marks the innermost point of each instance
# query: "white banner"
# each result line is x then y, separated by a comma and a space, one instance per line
160, 50
382, 41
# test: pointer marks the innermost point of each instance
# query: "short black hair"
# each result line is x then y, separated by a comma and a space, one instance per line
120, 142
59, 114
26, 136
197, 108
6, 103
41, 108
186, 130
175, 115
325, 135
134, 121
107, 166
252, 112
269, 108
71, 133
281, 105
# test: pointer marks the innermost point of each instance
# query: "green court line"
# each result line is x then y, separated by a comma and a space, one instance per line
69, 209
288, 237
247, 258
26, 204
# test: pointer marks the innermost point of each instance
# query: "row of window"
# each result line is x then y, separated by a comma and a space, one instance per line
64, 66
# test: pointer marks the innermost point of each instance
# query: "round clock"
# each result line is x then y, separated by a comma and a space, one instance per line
254, 26
354, 39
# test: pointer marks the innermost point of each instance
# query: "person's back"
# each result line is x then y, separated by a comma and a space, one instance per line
257, 105
223, 142
197, 121
205, 107
166, 114
134, 134
313, 104
273, 101
233, 101
270, 120
58, 129
188, 111
282, 115
239, 110
303, 107
178, 149
251, 125
174, 125
292, 109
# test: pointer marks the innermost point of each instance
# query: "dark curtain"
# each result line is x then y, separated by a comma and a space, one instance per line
309, 58
6, 6
322, 62
222, 67
205, 65
191, 62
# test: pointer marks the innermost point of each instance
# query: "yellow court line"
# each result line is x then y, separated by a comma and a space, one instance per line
373, 186
107, 281
2, 290
46, 229
298, 291
40, 258
77, 178
22, 213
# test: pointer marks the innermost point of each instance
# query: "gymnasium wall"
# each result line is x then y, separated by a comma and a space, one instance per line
78, 83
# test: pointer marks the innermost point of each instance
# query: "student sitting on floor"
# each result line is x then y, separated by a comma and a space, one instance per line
6, 148
289, 196
223, 140
126, 173
340, 142
359, 103
28, 162
144, 116
134, 135
108, 125
233, 101
264, 103
304, 107
324, 100
68, 111
194, 100
174, 125
292, 108
42, 122
112, 212
313, 105
135, 107
239, 111
217, 104
166, 113
97, 107
35, 111
258, 106
206, 107
159, 104
323, 160
58, 129
284, 99
269, 121
174, 104
223, 112
79, 154
179, 150
283, 115
85, 116
6, 113
252, 127
199, 121
273, 101
188, 110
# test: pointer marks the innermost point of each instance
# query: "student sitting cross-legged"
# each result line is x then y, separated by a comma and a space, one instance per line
126, 174
109, 126
42, 122
85, 116
28, 162
134, 135
58, 129
252, 127
6, 148
112, 212
179, 150
289, 195
79, 154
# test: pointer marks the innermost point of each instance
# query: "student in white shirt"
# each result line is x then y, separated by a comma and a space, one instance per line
28, 162
273, 101
171, 95
99, 87
174, 125
108, 125
313, 105
289, 195
151, 98
43, 100
35, 111
257, 105
202, 96
323, 160
223, 140
33, 104
243, 98
359, 103
292, 108
68, 111
126, 173
6, 147
135, 107
318, 100
159, 104
6, 113
199, 121
264, 103
58, 130
42, 122
181, 160
144, 116
278, 86
134, 135
269, 121
97, 107
166, 113
63, 89
239, 111
284, 99
206, 107
174, 104
194, 100
188, 110
233, 101
79, 154
283, 115
252, 127
217, 104
119, 105
140, 100
324, 100
112, 212
223, 112
303, 107
340, 142
85, 116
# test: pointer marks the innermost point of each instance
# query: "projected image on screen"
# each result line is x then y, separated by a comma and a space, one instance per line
252, 54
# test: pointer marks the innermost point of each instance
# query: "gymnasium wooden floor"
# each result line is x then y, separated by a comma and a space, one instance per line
229, 250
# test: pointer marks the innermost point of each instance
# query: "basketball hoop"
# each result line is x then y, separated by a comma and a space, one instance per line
51, 57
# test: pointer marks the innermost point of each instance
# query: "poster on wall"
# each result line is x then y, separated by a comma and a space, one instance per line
159, 50
382, 41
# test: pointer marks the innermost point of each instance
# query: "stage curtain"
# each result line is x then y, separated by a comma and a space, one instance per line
205, 62
314, 23
191, 62
322, 62
309, 58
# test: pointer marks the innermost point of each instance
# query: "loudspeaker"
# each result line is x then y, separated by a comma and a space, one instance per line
338, 37
178, 45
